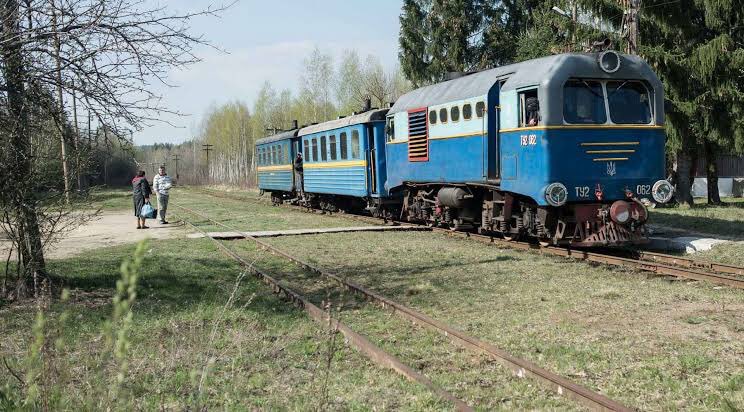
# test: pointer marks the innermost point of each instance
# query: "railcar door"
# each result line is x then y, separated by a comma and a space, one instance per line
491, 140
371, 159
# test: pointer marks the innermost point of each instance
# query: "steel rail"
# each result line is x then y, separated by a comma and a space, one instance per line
376, 354
690, 263
657, 263
521, 367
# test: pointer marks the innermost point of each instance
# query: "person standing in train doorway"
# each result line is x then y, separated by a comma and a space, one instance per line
162, 184
299, 172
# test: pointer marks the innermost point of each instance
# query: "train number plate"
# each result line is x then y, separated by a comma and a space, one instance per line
528, 139
582, 191
643, 189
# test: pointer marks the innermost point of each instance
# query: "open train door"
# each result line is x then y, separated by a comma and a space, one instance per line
371, 159
296, 148
491, 139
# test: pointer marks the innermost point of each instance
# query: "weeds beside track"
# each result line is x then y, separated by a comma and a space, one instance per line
521, 367
656, 263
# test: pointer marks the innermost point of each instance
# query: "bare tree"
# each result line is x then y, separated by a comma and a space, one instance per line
106, 52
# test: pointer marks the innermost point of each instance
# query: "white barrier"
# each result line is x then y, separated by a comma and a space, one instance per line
727, 187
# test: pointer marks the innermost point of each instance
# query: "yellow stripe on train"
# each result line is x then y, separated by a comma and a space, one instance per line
273, 168
326, 165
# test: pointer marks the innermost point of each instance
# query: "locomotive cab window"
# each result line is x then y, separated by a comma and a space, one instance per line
467, 111
433, 117
389, 131
529, 108
629, 102
583, 102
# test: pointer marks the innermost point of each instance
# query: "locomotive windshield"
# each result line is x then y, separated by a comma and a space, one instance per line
584, 102
629, 102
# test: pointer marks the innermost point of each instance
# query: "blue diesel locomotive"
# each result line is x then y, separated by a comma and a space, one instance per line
566, 149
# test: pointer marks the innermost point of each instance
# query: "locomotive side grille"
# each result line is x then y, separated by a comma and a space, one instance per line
418, 136
617, 150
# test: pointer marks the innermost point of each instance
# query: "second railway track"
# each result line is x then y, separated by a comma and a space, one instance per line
520, 367
656, 263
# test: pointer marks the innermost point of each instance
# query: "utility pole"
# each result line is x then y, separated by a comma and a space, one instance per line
630, 24
207, 148
176, 159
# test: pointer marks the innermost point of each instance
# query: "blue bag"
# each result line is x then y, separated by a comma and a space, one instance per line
148, 212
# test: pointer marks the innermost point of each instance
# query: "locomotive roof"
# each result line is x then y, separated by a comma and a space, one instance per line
277, 137
366, 117
544, 71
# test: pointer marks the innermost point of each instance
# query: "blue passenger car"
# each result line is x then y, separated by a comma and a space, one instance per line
342, 162
274, 157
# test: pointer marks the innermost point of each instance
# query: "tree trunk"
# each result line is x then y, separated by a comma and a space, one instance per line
711, 170
684, 170
22, 199
60, 120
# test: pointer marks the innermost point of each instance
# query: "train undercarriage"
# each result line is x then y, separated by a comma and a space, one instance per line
485, 209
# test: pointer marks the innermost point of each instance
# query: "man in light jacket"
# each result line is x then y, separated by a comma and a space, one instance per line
162, 184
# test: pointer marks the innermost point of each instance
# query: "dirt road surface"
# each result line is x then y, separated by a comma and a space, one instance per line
109, 229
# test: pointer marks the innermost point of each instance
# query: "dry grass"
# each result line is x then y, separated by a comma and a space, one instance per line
189, 350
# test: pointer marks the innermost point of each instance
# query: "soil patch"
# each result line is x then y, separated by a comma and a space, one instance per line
109, 229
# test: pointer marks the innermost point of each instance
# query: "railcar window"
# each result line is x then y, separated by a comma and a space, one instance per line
323, 149
583, 102
273, 155
332, 142
281, 155
433, 117
443, 115
529, 108
259, 155
455, 113
315, 149
480, 108
630, 102
467, 111
355, 144
344, 146
306, 147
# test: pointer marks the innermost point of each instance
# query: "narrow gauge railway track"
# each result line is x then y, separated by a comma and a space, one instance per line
364, 345
521, 367
656, 263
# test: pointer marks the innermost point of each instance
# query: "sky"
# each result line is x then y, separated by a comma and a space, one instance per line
266, 40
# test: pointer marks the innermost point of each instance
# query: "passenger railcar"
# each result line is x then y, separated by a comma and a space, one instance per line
274, 158
567, 148
341, 166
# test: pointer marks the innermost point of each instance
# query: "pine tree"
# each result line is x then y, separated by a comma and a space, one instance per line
697, 48
440, 36
414, 41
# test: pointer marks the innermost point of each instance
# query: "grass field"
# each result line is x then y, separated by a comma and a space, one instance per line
650, 343
188, 348
720, 221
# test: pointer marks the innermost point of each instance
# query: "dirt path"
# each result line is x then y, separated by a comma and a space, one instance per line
109, 229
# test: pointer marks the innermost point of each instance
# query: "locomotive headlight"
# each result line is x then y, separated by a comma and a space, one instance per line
620, 211
556, 194
662, 191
